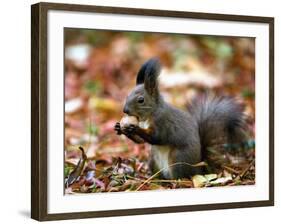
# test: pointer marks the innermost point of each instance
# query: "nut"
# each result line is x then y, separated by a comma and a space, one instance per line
127, 120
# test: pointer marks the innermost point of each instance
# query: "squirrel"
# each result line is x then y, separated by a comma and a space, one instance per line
178, 136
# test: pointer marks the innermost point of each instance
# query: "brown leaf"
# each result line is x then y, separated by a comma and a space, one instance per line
73, 176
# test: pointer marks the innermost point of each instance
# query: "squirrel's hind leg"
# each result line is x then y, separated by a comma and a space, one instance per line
185, 170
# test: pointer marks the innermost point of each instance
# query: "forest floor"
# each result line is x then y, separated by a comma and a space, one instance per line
100, 70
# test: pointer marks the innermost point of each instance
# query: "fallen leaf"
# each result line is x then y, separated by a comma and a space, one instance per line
73, 105
210, 177
73, 176
199, 181
222, 180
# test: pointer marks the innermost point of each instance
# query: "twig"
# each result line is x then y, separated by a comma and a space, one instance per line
247, 169
160, 181
174, 164
73, 176
171, 181
231, 170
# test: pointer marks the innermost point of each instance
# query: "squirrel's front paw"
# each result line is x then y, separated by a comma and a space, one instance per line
130, 129
117, 128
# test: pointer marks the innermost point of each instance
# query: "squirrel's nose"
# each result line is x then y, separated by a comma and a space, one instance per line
126, 110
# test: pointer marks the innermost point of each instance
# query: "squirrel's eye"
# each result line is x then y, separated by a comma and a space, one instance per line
140, 99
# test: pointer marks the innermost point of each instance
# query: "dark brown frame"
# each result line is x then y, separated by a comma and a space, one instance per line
39, 110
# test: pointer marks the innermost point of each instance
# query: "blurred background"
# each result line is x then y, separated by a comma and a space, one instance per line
100, 70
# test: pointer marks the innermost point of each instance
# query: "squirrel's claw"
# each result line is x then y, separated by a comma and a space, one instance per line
129, 130
117, 128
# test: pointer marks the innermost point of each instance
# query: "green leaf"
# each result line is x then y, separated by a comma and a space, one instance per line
93, 87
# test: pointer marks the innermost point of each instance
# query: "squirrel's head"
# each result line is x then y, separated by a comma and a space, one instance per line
144, 98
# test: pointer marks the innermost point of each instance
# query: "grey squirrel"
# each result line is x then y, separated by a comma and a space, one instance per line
178, 136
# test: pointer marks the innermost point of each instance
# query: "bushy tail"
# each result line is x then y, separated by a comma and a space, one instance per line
220, 119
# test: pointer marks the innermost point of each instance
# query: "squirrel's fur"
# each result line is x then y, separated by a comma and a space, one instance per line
179, 136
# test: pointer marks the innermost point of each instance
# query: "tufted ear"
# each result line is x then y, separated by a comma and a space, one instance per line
150, 68
140, 75
152, 71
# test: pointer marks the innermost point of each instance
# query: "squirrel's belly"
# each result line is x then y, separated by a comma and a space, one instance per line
161, 157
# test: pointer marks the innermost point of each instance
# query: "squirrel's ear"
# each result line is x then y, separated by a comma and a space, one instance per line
152, 71
140, 75
148, 75
150, 67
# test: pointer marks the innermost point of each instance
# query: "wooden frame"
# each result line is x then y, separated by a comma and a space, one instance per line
39, 110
